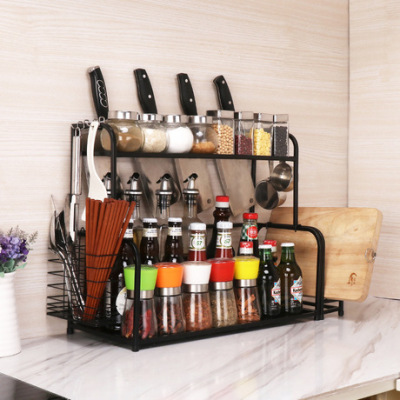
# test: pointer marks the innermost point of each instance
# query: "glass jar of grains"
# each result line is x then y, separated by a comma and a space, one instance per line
243, 128
128, 135
204, 137
262, 134
222, 123
155, 138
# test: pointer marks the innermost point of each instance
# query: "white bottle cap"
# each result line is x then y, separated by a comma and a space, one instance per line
173, 219
197, 226
196, 272
150, 220
289, 244
265, 246
224, 225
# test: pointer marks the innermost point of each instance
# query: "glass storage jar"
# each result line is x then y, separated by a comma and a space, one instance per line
262, 134
147, 319
128, 135
169, 306
281, 135
155, 137
196, 298
204, 136
223, 303
222, 123
179, 135
243, 129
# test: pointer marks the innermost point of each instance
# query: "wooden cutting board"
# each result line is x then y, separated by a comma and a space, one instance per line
351, 238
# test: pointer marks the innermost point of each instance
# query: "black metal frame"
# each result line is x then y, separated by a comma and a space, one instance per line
321, 305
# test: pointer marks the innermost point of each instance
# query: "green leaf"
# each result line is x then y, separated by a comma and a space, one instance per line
20, 266
2, 274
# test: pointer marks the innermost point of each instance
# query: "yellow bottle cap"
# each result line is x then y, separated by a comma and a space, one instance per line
246, 267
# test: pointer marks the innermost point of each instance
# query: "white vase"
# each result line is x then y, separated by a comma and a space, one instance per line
10, 342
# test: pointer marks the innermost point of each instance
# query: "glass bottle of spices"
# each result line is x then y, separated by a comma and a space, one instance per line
274, 251
222, 212
204, 137
281, 135
196, 298
269, 283
249, 231
262, 134
149, 248
169, 306
222, 123
243, 129
147, 319
155, 137
223, 247
197, 242
128, 135
134, 193
179, 135
223, 303
246, 292
173, 244
291, 281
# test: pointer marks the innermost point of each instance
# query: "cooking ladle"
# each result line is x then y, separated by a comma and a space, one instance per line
281, 177
267, 196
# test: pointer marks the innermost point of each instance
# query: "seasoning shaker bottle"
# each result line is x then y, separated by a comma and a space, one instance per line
154, 134
222, 123
149, 247
169, 306
127, 132
223, 245
223, 302
179, 135
281, 135
243, 130
173, 244
196, 298
197, 242
205, 138
262, 134
246, 292
147, 319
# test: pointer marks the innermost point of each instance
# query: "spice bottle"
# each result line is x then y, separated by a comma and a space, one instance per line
128, 135
269, 283
274, 251
222, 123
173, 244
149, 248
223, 246
179, 135
222, 212
281, 135
147, 319
169, 306
196, 298
155, 137
246, 292
246, 249
197, 242
204, 137
262, 134
243, 129
291, 281
134, 193
223, 303
249, 231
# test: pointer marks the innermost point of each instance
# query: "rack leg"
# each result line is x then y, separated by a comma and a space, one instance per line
341, 308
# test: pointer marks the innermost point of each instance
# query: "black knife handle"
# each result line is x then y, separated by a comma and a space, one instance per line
145, 92
186, 95
99, 92
224, 94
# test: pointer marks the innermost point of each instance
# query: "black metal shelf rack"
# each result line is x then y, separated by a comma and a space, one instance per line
314, 309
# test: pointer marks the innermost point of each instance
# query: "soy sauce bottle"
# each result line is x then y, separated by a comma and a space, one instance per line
149, 248
291, 281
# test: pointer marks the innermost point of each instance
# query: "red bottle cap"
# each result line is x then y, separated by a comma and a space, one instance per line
222, 201
222, 269
273, 243
250, 216
246, 248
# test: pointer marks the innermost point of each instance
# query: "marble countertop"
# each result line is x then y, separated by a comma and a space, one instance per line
312, 359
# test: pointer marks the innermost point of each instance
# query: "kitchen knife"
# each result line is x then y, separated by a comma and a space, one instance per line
224, 94
145, 91
186, 95
99, 92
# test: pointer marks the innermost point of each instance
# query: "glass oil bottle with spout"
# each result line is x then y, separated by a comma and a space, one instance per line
118, 187
134, 193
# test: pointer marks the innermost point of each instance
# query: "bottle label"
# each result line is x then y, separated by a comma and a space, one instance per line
150, 232
224, 240
276, 292
249, 232
174, 231
128, 233
297, 290
197, 241
121, 300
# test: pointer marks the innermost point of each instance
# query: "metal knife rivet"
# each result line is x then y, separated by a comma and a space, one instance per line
223, 82
186, 80
191, 100
149, 96
230, 102
144, 76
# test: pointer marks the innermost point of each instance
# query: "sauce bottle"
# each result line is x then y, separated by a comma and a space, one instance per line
223, 246
249, 231
149, 248
197, 242
173, 244
221, 213
274, 251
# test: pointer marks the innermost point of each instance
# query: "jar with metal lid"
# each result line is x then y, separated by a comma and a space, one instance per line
147, 319
169, 306
179, 135
204, 136
246, 292
223, 303
281, 135
155, 137
222, 123
243, 129
196, 298
262, 134
128, 135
